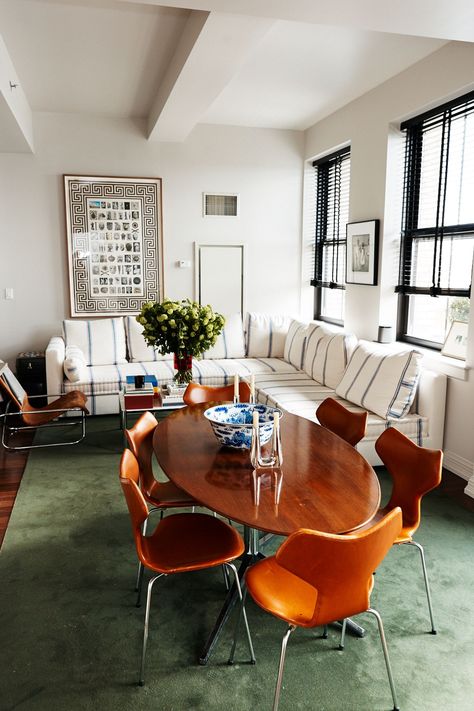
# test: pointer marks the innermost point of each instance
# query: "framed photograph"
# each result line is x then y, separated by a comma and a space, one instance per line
455, 345
115, 243
362, 252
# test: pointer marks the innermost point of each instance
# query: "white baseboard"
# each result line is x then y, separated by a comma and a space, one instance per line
461, 467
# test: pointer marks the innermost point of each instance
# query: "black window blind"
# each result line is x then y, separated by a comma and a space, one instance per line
438, 211
332, 175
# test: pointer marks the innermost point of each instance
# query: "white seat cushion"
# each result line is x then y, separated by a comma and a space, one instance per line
382, 382
138, 350
230, 342
101, 340
300, 395
266, 335
327, 354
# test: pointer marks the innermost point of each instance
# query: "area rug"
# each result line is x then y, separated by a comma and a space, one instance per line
71, 636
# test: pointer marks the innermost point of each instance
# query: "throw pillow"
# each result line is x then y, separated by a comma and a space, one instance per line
138, 351
101, 340
230, 342
266, 335
327, 354
295, 343
380, 381
74, 364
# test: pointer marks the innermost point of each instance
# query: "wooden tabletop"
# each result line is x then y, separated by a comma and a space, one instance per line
327, 485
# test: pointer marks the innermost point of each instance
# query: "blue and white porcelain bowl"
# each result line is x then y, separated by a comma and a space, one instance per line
232, 424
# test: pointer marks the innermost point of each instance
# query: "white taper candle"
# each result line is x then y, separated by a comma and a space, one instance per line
236, 387
252, 388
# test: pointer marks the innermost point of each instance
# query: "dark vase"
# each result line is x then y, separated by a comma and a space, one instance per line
184, 367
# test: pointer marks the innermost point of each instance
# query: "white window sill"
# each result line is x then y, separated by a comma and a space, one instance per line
433, 360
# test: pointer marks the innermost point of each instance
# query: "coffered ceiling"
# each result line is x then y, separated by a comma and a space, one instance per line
280, 64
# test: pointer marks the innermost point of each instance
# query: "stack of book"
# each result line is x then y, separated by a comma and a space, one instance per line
138, 398
172, 394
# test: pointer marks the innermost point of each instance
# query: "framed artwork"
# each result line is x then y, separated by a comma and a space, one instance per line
455, 345
362, 252
115, 243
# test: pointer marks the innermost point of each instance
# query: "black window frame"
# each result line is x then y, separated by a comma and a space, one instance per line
415, 127
324, 183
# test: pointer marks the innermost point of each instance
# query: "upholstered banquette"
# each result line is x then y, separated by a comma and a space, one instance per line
296, 365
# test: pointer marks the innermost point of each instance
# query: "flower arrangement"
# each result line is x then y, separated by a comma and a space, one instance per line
184, 328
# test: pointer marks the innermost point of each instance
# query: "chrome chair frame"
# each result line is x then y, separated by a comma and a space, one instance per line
9, 431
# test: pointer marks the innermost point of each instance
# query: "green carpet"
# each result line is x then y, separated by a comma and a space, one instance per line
71, 636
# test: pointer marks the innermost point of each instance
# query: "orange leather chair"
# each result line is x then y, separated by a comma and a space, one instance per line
159, 495
350, 426
196, 394
316, 578
180, 543
33, 417
415, 471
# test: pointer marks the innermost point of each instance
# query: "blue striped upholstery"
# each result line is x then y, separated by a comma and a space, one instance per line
102, 340
266, 335
295, 343
382, 382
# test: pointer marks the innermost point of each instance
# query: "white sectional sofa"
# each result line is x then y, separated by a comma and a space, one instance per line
296, 366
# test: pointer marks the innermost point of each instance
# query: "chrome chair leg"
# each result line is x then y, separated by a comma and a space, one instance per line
138, 584
387, 659
226, 577
343, 633
427, 585
242, 613
325, 632
284, 642
141, 680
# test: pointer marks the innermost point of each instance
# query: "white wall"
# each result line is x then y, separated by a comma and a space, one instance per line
370, 124
264, 166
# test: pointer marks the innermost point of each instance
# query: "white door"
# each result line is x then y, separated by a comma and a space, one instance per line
220, 277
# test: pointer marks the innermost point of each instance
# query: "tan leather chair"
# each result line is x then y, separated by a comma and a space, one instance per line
350, 426
179, 544
196, 394
28, 417
316, 578
415, 471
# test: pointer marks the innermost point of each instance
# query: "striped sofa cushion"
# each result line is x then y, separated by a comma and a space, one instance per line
327, 354
103, 379
295, 343
383, 383
230, 342
266, 335
102, 340
300, 395
138, 351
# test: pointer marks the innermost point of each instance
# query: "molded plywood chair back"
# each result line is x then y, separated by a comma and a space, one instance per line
196, 394
350, 426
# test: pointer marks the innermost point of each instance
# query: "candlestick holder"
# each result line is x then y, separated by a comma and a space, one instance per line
263, 464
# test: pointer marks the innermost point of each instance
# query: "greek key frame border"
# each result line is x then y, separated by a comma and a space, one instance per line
108, 189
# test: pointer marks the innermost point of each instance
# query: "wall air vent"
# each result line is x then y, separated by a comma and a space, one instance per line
220, 205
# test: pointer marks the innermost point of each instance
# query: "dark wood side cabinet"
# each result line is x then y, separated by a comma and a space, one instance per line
31, 372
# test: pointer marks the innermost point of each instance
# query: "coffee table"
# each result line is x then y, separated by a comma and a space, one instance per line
327, 485
158, 409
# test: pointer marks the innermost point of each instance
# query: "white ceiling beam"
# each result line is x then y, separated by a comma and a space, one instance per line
16, 121
441, 19
212, 48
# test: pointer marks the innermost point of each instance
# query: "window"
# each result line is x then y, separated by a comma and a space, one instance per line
332, 175
438, 222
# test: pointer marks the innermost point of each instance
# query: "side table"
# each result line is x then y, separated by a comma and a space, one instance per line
31, 372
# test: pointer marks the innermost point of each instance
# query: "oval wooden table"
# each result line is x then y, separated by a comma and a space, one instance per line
326, 484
